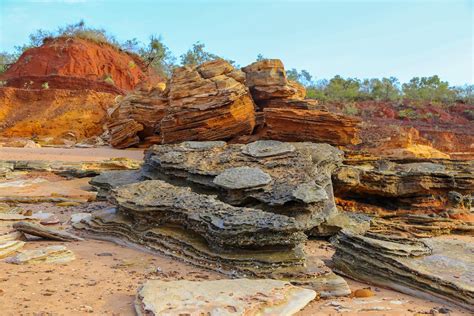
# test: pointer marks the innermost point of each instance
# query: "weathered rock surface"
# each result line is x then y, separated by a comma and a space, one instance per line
51, 254
207, 103
291, 179
156, 202
426, 267
221, 297
431, 186
45, 232
109, 180
71, 169
137, 116
267, 80
287, 124
8, 248
282, 263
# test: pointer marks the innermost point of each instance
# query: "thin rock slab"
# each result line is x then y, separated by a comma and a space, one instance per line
430, 268
221, 298
10, 247
45, 232
51, 254
109, 180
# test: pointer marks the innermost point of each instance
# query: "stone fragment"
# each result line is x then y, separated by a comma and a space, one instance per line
10, 247
51, 254
109, 180
242, 178
44, 232
433, 267
221, 297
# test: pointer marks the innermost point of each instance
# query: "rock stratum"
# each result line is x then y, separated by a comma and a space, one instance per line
63, 89
215, 101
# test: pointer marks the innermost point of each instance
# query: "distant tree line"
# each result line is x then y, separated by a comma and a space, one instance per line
158, 56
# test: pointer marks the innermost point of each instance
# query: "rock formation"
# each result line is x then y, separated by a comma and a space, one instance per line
214, 101
63, 89
237, 209
425, 267
310, 125
73, 58
221, 297
285, 178
208, 102
429, 186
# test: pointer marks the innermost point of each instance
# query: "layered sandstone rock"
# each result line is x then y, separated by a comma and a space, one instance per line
137, 116
51, 254
433, 267
310, 125
237, 209
221, 297
287, 178
267, 80
207, 103
403, 186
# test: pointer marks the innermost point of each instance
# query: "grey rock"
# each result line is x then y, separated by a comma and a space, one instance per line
242, 178
440, 268
267, 148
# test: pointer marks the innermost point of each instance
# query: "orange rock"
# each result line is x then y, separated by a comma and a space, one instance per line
359, 293
78, 58
310, 125
207, 103
53, 112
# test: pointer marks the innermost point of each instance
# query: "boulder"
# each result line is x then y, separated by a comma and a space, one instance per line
267, 80
441, 269
288, 124
221, 297
207, 103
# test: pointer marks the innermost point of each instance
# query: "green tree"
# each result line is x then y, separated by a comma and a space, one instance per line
260, 57
197, 55
158, 56
429, 89
6, 60
465, 93
340, 89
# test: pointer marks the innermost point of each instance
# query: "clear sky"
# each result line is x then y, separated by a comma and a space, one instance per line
363, 39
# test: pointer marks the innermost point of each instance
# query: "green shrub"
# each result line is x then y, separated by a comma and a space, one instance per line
45, 86
408, 113
109, 80
350, 109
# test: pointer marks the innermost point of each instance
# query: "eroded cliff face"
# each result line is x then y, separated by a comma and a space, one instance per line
62, 89
74, 59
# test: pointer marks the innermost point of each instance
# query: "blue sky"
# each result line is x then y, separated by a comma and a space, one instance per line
363, 39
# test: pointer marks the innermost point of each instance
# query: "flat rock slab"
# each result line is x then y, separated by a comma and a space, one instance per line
242, 178
267, 148
45, 232
10, 247
222, 297
52, 254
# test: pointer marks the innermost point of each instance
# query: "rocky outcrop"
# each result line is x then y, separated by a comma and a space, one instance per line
310, 125
431, 186
108, 180
238, 209
73, 57
293, 179
207, 103
44, 232
9, 247
137, 116
221, 297
439, 268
